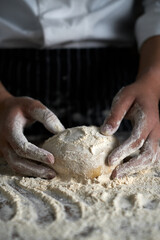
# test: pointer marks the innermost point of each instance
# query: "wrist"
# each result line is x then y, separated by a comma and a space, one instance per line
150, 79
151, 72
149, 65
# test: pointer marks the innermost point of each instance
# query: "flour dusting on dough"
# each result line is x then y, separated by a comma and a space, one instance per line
81, 152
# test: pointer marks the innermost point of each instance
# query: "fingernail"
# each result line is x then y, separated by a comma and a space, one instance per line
58, 127
50, 158
113, 158
110, 161
114, 174
106, 129
50, 175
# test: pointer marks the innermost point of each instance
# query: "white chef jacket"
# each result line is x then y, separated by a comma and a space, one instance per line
76, 23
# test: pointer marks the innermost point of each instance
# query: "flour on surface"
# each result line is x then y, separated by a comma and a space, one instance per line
34, 208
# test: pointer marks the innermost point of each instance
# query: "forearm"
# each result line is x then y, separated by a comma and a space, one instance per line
149, 66
3, 92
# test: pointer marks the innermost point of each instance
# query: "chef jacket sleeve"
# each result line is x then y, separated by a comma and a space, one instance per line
148, 24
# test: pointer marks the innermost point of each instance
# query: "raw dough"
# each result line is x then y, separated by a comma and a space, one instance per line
80, 152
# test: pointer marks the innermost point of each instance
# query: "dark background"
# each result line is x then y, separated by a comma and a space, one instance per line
77, 84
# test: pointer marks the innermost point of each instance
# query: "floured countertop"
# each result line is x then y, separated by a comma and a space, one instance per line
37, 209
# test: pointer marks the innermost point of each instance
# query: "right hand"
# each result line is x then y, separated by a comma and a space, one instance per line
138, 103
22, 156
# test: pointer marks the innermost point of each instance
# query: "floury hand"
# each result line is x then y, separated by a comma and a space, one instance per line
139, 104
22, 156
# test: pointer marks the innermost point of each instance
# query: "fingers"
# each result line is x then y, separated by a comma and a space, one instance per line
148, 157
120, 105
22, 147
25, 167
42, 114
48, 119
135, 141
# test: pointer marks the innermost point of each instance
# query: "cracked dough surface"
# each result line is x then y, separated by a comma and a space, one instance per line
81, 152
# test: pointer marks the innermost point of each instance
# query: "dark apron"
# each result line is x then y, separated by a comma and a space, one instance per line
77, 84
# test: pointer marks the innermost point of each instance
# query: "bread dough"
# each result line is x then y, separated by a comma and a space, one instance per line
80, 152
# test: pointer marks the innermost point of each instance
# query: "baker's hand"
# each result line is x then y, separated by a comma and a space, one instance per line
137, 102
22, 156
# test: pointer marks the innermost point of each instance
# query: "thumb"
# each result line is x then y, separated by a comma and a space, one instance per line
47, 118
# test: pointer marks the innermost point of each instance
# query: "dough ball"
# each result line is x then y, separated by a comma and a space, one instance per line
81, 152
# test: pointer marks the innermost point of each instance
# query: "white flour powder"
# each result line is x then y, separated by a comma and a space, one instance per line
38, 209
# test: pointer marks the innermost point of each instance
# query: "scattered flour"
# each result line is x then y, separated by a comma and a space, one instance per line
38, 209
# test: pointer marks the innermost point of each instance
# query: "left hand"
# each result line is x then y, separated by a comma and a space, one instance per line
137, 102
